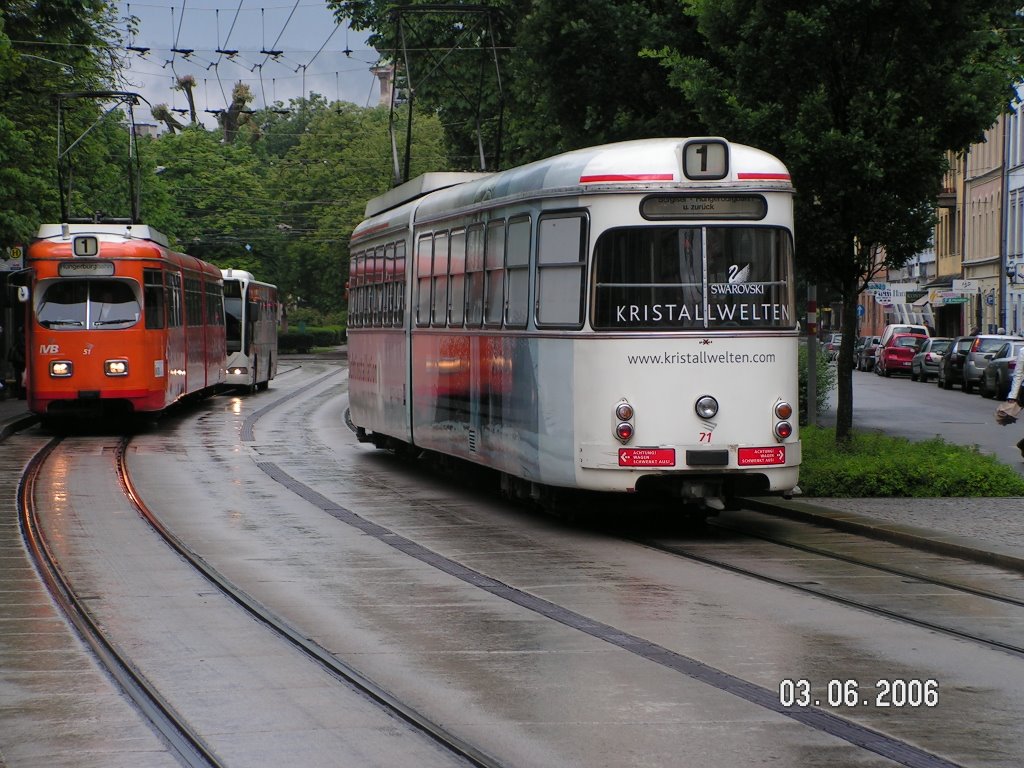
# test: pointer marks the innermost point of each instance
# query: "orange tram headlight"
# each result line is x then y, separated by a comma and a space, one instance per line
61, 369
117, 367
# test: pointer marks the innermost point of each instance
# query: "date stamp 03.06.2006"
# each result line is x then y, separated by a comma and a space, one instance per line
885, 693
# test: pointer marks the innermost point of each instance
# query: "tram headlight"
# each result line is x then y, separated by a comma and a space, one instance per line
706, 407
624, 411
783, 430
115, 367
624, 431
61, 369
783, 410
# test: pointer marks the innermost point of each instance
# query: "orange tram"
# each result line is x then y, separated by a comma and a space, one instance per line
118, 323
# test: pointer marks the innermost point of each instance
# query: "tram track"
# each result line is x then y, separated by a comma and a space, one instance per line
901, 751
173, 727
180, 738
954, 589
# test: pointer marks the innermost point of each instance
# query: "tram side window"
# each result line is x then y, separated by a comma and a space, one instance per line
424, 264
475, 276
494, 266
214, 295
399, 283
375, 263
387, 317
561, 251
153, 297
517, 262
457, 270
173, 286
355, 290
193, 302
439, 310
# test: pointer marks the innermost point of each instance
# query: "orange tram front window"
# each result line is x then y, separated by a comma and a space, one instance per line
88, 304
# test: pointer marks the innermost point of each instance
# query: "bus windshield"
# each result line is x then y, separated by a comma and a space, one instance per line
78, 304
691, 278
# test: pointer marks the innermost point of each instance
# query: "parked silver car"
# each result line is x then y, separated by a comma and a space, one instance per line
926, 362
977, 358
995, 382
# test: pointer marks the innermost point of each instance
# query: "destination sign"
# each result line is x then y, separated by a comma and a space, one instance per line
704, 207
85, 268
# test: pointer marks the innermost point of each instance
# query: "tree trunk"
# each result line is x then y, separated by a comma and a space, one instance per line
844, 371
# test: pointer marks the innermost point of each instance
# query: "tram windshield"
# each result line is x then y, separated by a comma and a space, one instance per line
92, 304
233, 314
689, 278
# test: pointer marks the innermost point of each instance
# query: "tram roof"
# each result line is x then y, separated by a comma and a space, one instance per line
125, 231
641, 163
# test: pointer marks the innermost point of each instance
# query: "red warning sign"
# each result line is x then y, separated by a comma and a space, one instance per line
758, 457
647, 457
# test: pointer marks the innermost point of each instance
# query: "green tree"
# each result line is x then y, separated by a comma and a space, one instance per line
861, 100
321, 187
448, 59
209, 197
47, 48
578, 78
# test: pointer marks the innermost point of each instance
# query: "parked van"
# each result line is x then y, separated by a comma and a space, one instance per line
902, 328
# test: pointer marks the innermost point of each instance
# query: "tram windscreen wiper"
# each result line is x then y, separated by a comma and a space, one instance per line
51, 323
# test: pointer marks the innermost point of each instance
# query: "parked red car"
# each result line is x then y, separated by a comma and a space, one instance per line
898, 353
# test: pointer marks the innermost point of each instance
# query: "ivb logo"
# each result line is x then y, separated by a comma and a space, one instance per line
49, 349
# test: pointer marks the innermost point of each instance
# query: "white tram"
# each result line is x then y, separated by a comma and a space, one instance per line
620, 318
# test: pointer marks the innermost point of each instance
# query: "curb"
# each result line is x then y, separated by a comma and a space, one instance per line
16, 424
909, 536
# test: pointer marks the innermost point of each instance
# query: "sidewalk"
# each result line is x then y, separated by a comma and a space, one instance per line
980, 529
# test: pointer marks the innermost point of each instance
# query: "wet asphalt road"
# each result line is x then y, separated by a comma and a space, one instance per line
258, 486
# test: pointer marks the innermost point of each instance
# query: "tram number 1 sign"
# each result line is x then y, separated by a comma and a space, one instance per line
647, 457
756, 457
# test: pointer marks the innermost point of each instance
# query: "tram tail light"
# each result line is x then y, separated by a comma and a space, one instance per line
61, 369
783, 427
115, 367
624, 416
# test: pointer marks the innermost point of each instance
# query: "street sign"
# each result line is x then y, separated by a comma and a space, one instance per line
860, 310
966, 286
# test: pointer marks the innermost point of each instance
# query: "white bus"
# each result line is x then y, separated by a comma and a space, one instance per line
620, 319
252, 313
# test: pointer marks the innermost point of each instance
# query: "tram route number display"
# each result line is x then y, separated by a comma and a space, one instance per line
886, 693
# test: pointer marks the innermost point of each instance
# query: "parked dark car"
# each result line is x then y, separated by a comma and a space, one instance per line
926, 362
980, 353
898, 353
952, 369
995, 382
864, 360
